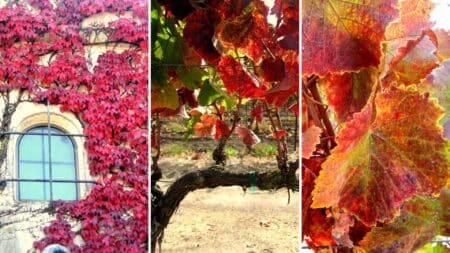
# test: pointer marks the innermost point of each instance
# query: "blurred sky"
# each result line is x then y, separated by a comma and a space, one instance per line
441, 14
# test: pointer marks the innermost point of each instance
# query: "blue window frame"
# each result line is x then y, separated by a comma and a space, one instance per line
34, 163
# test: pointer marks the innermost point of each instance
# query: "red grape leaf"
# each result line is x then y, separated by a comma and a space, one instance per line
271, 70
249, 31
310, 138
226, 8
416, 226
347, 93
222, 129
414, 19
233, 33
384, 156
316, 223
414, 61
288, 30
278, 134
236, 80
199, 31
257, 113
342, 35
248, 136
279, 94
187, 96
310, 170
318, 228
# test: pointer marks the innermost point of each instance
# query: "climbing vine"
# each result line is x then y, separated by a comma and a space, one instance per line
49, 51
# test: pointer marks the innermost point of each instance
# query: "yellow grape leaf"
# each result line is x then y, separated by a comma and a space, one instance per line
392, 150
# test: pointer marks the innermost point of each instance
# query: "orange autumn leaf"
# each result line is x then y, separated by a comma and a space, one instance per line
319, 229
205, 126
414, 19
384, 156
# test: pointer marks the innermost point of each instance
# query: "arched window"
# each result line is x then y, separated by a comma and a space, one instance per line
35, 161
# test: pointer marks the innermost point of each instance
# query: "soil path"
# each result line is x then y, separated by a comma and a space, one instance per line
226, 219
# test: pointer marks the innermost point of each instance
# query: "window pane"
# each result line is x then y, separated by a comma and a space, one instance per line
62, 149
32, 170
64, 191
31, 191
29, 148
34, 164
63, 171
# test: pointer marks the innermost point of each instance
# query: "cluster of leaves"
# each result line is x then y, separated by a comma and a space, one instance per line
43, 48
217, 55
381, 182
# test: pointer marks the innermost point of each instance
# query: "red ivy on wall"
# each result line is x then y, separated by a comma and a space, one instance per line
110, 100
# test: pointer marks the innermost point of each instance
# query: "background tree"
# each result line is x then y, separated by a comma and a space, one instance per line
45, 52
218, 54
376, 167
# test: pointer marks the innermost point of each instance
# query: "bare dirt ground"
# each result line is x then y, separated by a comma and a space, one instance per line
226, 219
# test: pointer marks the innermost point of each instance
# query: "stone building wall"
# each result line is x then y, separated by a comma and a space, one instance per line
21, 222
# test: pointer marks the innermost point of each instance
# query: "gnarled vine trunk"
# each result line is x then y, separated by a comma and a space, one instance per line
165, 204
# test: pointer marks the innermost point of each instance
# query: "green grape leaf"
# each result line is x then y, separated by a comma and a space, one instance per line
208, 94
190, 76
